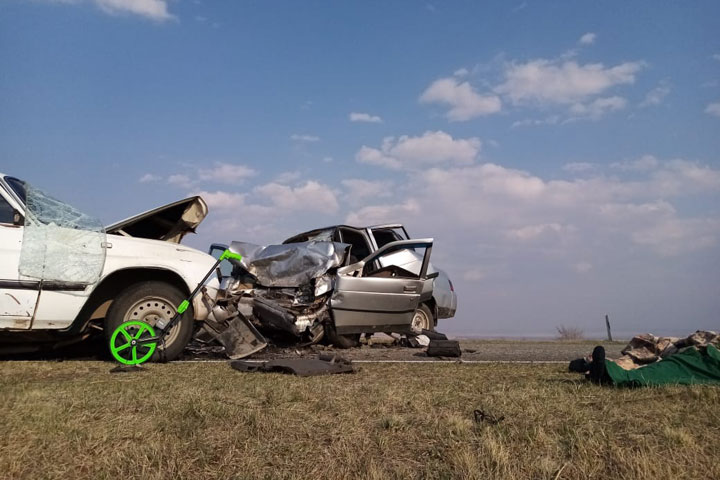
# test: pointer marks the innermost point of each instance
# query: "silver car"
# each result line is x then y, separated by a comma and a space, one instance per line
367, 240
312, 291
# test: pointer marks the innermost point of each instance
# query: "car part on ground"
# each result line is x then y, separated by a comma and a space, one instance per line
302, 367
444, 348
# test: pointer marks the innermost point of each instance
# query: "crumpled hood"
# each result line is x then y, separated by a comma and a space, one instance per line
289, 265
170, 222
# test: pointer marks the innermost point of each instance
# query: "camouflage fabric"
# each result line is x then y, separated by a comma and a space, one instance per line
646, 348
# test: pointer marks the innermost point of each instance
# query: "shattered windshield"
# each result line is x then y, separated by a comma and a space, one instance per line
60, 243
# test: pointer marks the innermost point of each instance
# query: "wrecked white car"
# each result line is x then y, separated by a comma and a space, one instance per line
311, 291
64, 276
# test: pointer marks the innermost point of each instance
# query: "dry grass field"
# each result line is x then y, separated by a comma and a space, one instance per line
73, 419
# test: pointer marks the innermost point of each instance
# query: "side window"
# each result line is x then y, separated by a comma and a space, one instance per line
360, 248
394, 271
385, 236
6, 211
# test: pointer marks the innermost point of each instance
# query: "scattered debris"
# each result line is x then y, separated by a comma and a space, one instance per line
302, 367
444, 348
481, 416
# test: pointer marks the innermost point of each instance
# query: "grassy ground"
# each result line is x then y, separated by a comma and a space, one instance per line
75, 420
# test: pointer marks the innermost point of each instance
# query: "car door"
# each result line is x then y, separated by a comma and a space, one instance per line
370, 299
17, 297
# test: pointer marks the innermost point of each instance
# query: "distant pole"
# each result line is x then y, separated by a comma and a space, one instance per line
607, 325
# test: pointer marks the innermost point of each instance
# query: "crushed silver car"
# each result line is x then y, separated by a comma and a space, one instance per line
318, 290
366, 240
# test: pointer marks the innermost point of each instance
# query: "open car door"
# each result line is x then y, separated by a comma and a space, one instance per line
371, 299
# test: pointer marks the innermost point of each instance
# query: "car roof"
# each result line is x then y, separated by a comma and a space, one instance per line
333, 227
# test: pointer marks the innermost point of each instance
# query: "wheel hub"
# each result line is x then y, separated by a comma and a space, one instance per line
152, 309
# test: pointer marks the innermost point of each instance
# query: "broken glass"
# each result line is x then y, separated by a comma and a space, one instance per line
60, 243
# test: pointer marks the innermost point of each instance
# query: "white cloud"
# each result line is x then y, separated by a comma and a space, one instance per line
474, 275
225, 173
582, 267
562, 82
223, 200
304, 138
577, 167
149, 178
180, 180
429, 149
287, 177
675, 236
587, 39
312, 196
461, 72
534, 232
656, 95
716, 56
156, 10
551, 120
373, 156
356, 189
644, 163
218, 172
713, 109
464, 101
364, 117
598, 107
490, 204
377, 214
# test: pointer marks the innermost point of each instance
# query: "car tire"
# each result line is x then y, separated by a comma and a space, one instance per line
148, 302
423, 319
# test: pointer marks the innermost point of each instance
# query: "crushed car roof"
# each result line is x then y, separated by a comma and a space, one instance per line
332, 227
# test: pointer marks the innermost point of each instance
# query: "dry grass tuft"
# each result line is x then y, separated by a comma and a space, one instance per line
569, 333
75, 420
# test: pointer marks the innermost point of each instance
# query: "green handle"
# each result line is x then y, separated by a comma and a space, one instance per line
228, 254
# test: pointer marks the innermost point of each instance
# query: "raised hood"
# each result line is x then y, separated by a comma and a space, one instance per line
170, 222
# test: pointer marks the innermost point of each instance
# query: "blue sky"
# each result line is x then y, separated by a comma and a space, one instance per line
563, 154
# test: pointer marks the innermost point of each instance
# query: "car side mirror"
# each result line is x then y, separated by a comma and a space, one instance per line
432, 275
18, 219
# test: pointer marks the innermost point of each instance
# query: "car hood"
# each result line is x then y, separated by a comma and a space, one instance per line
170, 222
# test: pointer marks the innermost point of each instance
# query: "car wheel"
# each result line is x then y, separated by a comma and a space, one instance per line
149, 302
422, 319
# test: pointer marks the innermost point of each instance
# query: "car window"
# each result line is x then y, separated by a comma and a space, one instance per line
375, 269
384, 236
18, 187
360, 248
321, 236
6, 211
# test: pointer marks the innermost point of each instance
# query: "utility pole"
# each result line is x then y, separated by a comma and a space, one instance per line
607, 325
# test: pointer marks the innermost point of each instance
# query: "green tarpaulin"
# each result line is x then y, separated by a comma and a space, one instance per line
691, 366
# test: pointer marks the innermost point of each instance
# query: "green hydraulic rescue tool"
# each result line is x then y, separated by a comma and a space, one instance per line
134, 342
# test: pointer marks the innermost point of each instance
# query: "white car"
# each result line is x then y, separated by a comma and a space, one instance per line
63, 275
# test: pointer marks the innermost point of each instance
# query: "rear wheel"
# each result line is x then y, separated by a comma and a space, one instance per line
422, 319
150, 302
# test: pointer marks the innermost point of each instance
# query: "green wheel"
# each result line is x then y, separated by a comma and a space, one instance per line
124, 343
